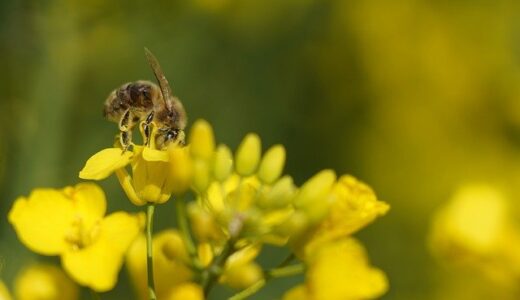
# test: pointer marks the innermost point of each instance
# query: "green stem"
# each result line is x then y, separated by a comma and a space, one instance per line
182, 222
253, 289
211, 273
269, 274
285, 271
149, 251
94, 295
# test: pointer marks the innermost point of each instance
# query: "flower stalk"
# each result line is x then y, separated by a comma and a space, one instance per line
150, 208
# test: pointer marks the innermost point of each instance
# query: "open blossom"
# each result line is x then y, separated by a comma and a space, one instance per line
71, 223
44, 281
155, 173
475, 229
339, 270
171, 264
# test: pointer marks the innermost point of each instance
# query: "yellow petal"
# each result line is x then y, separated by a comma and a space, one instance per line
125, 180
89, 202
44, 282
150, 154
169, 267
43, 220
340, 270
104, 163
97, 265
150, 179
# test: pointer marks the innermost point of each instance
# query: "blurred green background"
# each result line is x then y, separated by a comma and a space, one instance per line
414, 97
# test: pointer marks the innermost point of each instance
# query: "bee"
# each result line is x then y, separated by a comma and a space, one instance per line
145, 102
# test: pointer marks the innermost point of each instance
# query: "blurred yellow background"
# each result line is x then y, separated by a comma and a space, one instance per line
414, 97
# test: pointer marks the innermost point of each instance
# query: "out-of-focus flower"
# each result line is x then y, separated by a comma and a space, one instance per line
339, 270
240, 270
186, 291
170, 264
475, 230
4, 292
156, 173
70, 222
44, 282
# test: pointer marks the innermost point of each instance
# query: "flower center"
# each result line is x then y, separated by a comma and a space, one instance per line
79, 236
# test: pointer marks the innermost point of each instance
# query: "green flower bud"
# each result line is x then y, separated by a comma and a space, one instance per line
248, 155
202, 141
272, 164
223, 163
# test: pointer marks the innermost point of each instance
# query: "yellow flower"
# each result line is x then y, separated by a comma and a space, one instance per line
44, 282
156, 173
170, 263
353, 205
340, 270
70, 222
475, 230
4, 292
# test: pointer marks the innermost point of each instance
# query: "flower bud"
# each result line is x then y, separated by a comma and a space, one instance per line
201, 176
272, 164
279, 195
186, 291
204, 226
202, 141
242, 276
181, 170
223, 163
248, 155
313, 197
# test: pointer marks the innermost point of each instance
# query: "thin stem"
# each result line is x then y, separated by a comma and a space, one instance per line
149, 259
94, 295
182, 222
287, 260
251, 290
211, 274
285, 271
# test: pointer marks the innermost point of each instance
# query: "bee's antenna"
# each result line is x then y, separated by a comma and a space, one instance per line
159, 75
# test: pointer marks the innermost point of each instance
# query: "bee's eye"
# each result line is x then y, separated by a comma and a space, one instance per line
146, 93
171, 135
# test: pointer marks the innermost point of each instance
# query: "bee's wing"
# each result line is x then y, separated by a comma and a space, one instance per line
171, 102
159, 75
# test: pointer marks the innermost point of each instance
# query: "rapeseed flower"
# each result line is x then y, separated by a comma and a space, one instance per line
339, 270
171, 264
155, 173
44, 281
476, 230
71, 223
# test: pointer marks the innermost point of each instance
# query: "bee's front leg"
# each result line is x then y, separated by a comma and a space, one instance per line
146, 128
125, 130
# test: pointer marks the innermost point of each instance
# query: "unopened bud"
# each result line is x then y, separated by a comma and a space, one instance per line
223, 163
202, 140
248, 155
272, 164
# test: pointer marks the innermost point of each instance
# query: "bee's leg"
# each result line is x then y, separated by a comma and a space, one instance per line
146, 127
125, 128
